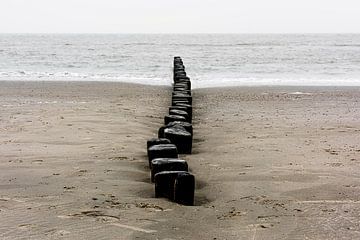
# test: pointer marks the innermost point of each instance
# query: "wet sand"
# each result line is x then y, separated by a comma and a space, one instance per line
270, 163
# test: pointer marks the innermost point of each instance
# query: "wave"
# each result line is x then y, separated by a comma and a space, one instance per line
75, 76
346, 45
219, 45
202, 44
200, 81
140, 44
270, 81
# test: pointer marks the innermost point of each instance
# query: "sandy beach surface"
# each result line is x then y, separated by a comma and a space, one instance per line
270, 163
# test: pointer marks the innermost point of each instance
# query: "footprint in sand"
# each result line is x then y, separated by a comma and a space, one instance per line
26, 226
335, 164
82, 172
98, 215
331, 151
68, 188
231, 214
118, 158
57, 233
39, 161
150, 206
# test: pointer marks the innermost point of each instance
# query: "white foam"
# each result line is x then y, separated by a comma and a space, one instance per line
249, 82
299, 93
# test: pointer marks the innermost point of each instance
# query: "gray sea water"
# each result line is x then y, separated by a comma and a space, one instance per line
210, 59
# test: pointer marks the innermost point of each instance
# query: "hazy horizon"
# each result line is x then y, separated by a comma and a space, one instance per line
185, 17
178, 33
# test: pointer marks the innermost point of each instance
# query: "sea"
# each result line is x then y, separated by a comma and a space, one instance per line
211, 60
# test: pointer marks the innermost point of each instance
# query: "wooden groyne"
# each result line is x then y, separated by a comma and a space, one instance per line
169, 173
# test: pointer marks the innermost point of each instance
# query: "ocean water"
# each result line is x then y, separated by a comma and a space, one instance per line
210, 59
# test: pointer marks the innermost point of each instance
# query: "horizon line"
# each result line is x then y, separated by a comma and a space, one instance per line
185, 33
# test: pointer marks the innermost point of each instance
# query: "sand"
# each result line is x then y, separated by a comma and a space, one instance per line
270, 163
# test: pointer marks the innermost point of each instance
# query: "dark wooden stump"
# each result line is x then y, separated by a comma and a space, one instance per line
183, 97
172, 118
167, 164
178, 186
183, 108
180, 113
187, 126
162, 151
180, 137
156, 141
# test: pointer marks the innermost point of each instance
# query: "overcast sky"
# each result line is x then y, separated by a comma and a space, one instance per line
180, 16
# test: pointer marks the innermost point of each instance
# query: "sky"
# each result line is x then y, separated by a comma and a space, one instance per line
180, 16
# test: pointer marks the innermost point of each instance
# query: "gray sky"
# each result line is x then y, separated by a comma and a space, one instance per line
181, 16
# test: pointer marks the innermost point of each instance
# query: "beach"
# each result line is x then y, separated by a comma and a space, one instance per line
270, 162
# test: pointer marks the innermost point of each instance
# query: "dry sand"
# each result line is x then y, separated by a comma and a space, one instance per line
270, 163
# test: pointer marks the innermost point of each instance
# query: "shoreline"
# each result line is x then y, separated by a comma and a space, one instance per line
269, 164
270, 86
